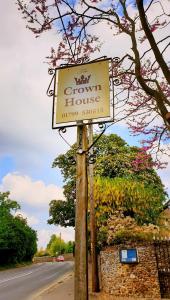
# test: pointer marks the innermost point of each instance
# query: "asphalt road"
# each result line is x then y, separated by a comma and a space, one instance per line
22, 283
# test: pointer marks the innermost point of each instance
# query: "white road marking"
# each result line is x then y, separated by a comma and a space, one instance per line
15, 277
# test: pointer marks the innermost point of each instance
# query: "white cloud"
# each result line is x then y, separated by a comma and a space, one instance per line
34, 193
25, 110
31, 220
164, 173
36, 196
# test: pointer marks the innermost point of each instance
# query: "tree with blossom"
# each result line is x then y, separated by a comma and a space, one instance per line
141, 75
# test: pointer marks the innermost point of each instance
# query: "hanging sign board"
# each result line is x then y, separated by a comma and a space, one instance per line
82, 92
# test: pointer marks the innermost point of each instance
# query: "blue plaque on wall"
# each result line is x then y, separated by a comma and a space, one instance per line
128, 256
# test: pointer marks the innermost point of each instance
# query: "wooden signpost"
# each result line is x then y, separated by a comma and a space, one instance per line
81, 252
81, 96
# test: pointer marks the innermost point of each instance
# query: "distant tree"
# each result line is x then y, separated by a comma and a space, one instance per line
69, 247
56, 245
42, 252
114, 158
52, 239
17, 239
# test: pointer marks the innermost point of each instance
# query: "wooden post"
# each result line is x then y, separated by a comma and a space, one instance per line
81, 252
60, 243
93, 238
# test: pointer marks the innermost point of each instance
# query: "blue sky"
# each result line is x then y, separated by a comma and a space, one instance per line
28, 144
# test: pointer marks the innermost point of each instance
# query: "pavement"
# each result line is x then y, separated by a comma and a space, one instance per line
63, 289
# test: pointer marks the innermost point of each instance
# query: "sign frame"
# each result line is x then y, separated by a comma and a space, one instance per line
100, 120
128, 259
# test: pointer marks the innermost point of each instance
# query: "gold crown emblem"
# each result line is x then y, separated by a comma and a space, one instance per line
82, 79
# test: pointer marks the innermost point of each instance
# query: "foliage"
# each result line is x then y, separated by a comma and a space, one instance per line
114, 158
121, 228
17, 239
69, 247
6, 205
62, 212
126, 208
142, 98
131, 197
57, 246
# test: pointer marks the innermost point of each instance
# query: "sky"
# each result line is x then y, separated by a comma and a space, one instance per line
28, 144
